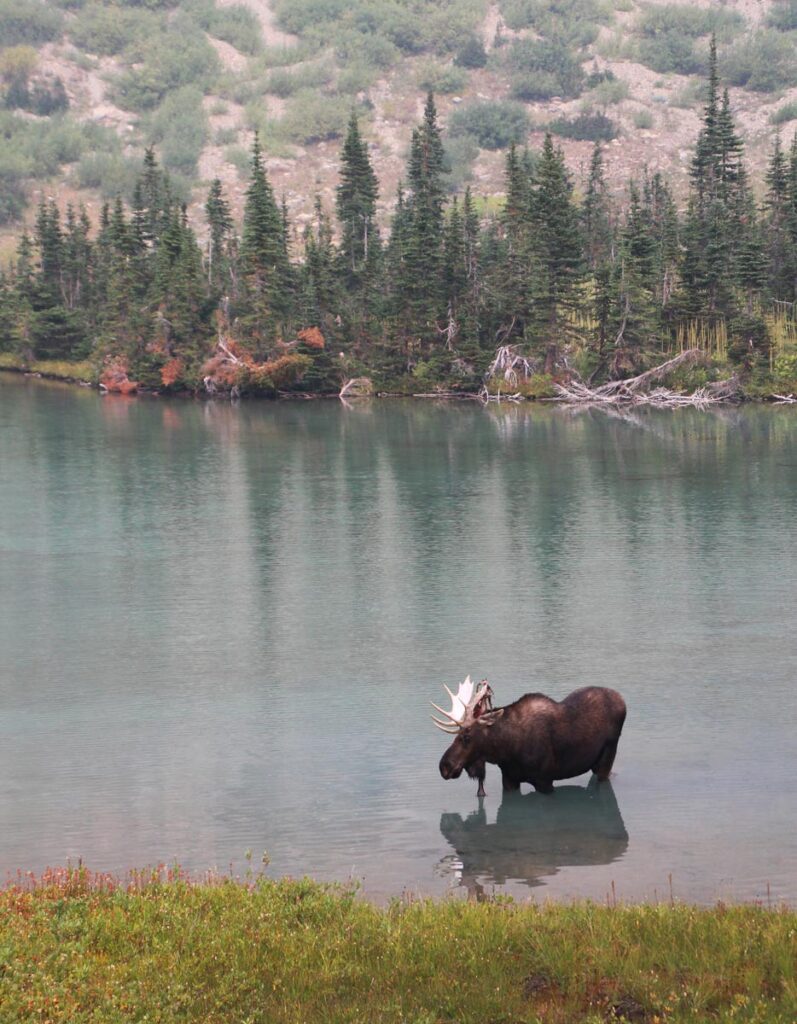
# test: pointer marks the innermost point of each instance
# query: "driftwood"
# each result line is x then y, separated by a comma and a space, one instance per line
634, 391
486, 396
785, 399
357, 387
506, 363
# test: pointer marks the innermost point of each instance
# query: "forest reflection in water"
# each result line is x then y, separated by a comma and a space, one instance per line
221, 627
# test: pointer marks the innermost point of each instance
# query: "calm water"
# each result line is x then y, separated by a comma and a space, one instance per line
220, 628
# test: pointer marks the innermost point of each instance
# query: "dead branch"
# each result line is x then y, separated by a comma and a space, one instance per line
634, 390
784, 399
506, 363
357, 387
486, 396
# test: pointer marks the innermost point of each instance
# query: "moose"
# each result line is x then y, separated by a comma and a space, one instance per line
536, 740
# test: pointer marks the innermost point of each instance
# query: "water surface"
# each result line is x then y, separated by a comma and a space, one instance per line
220, 627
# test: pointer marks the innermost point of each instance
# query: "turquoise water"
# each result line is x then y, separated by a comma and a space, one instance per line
220, 627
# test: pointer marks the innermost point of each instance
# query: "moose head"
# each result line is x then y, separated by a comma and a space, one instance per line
468, 705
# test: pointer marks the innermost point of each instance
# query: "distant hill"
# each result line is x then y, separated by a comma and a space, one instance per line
86, 84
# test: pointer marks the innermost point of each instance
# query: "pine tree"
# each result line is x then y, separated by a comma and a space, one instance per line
356, 205
776, 218
422, 283
558, 249
264, 258
218, 258
596, 215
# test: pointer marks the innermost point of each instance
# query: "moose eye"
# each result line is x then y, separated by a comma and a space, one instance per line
465, 738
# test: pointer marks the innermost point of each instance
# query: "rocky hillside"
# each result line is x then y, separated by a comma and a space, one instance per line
87, 84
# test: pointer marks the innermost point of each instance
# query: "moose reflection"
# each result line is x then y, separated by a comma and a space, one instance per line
534, 835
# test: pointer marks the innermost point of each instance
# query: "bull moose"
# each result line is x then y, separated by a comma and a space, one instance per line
536, 739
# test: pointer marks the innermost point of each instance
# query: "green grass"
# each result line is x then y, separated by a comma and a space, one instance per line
75, 948
59, 369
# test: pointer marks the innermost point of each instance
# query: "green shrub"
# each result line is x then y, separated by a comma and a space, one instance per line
111, 173
783, 15
107, 30
587, 126
311, 116
788, 112
174, 58
238, 26
606, 94
281, 82
668, 32
28, 21
374, 50
643, 119
378, 31
543, 68
762, 62
670, 52
555, 17
494, 124
357, 77
535, 85
442, 78
692, 22
286, 82
179, 128
692, 94
225, 136
597, 77
471, 54
240, 158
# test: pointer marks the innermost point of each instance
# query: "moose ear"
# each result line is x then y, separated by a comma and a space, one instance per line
491, 717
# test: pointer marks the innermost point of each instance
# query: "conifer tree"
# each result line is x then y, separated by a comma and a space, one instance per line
219, 250
422, 282
356, 205
558, 249
776, 216
596, 216
264, 258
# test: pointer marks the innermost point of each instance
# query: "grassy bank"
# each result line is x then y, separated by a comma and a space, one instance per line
54, 369
77, 949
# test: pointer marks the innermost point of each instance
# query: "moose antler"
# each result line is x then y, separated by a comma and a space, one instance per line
466, 705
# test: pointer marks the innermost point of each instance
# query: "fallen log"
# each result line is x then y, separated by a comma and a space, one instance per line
633, 391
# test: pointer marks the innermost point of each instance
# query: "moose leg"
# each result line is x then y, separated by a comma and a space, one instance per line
603, 765
478, 771
509, 784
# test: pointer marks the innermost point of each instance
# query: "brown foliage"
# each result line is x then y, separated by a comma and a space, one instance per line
312, 337
114, 379
171, 372
230, 367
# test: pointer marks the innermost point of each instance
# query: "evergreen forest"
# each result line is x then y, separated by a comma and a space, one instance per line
584, 285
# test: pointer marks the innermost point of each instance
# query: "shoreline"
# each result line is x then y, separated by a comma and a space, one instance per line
77, 946
84, 375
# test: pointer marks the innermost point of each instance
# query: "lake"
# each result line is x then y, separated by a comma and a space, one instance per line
221, 627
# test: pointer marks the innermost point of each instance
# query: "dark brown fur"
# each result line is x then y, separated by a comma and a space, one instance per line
539, 740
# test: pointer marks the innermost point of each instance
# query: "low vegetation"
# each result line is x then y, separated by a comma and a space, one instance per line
158, 947
492, 124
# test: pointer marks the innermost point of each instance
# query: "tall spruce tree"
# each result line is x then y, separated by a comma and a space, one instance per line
356, 205
220, 248
558, 249
422, 283
266, 268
